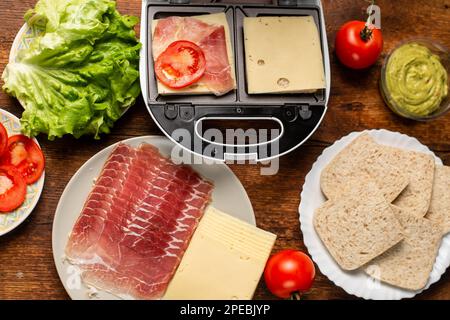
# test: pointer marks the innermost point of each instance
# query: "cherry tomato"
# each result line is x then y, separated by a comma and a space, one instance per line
3, 139
13, 188
24, 154
181, 64
358, 46
289, 272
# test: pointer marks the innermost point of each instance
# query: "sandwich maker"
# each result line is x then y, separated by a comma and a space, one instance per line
298, 115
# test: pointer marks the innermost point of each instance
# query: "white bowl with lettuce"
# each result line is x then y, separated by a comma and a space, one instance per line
73, 67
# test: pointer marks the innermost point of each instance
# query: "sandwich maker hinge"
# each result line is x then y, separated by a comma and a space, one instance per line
185, 111
179, 1
292, 112
293, 3
287, 3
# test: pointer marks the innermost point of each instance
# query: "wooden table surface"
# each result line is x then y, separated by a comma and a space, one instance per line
27, 269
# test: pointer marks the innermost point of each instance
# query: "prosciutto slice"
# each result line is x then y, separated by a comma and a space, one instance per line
211, 38
137, 222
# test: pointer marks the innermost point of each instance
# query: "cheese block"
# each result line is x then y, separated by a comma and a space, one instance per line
225, 260
219, 19
283, 55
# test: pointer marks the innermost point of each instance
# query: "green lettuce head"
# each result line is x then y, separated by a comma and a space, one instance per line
81, 73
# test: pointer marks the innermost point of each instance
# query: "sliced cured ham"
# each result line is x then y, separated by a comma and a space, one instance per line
211, 38
137, 222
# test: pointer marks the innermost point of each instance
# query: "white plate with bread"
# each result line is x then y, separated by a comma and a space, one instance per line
375, 215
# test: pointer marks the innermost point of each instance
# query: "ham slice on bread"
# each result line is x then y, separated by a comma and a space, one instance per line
211, 33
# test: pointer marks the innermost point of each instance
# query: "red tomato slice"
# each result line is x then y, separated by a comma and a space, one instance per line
181, 64
24, 154
3, 139
13, 188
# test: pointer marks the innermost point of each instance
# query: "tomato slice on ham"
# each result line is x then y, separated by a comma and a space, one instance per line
26, 156
3, 139
13, 188
180, 65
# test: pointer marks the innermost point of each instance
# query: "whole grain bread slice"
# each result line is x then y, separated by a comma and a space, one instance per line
357, 227
420, 167
363, 160
408, 264
440, 200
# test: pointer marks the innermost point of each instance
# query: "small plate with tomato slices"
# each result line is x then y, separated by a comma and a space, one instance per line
22, 173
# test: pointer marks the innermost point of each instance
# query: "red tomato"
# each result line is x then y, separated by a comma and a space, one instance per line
288, 272
358, 47
181, 64
3, 139
24, 154
13, 189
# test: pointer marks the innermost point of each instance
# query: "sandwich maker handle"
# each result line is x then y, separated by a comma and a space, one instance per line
241, 150
297, 122
181, 122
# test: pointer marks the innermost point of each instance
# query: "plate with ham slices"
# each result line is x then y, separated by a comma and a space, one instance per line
127, 216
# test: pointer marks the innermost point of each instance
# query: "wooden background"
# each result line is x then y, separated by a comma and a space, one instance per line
27, 270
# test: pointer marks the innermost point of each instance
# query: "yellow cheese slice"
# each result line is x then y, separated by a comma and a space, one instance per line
219, 19
283, 55
225, 260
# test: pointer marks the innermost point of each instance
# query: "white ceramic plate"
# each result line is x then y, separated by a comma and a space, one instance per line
229, 195
22, 40
10, 221
358, 283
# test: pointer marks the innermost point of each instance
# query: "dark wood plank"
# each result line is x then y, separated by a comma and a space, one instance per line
27, 269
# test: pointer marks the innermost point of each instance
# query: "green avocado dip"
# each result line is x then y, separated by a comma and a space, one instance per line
416, 80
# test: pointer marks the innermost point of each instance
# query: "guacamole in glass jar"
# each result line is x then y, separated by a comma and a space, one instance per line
416, 80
